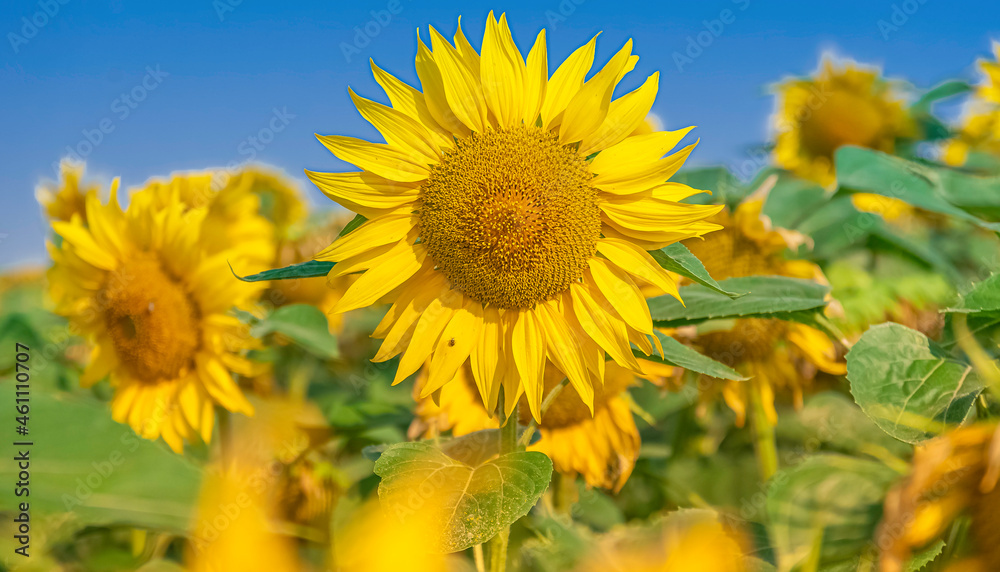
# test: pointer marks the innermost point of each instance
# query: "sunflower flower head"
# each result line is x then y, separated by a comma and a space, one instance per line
509, 214
152, 297
980, 128
779, 355
840, 105
63, 199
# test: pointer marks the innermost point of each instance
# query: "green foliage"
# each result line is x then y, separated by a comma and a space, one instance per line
482, 499
908, 385
309, 269
677, 258
303, 324
677, 354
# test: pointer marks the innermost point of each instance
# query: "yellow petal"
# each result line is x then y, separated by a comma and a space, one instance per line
564, 350
381, 231
380, 280
485, 358
428, 329
432, 83
84, 245
623, 294
645, 178
361, 191
624, 115
588, 108
635, 153
536, 79
404, 314
655, 215
377, 158
528, 349
565, 83
597, 318
638, 263
502, 73
461, 90
468, 53
410, 101
399, 130
817, 347
454, 346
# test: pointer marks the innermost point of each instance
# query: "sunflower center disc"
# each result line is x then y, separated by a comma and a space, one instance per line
509, 216
151, 319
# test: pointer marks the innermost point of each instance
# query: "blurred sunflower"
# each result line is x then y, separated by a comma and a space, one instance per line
951, 475
850, 105
777, 355
601, 446
509, 215
63, 199
980, 129
145, 289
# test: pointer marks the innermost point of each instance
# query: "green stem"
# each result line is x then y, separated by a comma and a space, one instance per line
763, 435
497, 546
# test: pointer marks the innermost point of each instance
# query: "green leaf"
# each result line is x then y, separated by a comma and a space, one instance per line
767, 297
934, 189
357, 221
677, 354
479, 501
792, 199
941, 91
100, 471
305, 325
677, 258
984, 298
310, 269
925, 557
833, 420
837, 496
907, 385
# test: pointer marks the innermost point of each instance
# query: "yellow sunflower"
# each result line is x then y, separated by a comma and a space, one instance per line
509, 214
951, 475
980, 130
63, 199
778, 355
146, 290
601, 446
851, 105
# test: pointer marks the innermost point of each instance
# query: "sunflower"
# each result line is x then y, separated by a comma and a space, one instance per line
951, 475
601, 446
851, 105
63, 199
509, 215
778, 355
146, 290
980, 130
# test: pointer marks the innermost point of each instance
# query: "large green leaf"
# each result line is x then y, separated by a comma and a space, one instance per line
477, 501
835, 496
677, 258
984, 298
305, 325
677, 354
99, 470
310, 269
792, 199
767, 297
935, 189
908, 385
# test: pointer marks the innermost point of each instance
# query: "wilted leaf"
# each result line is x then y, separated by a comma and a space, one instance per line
907, 384
475, 503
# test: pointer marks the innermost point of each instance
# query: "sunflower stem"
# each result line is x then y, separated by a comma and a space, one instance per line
763, 435
497, 546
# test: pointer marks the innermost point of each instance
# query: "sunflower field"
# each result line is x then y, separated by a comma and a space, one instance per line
523, 335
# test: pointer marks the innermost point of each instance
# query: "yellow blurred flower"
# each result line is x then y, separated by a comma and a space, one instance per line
280, 197
146, 291
688, 541
509, 215
602, 447
980, 129
376, 540
67, 197
951, 475
841, 105
780, 356
889, 208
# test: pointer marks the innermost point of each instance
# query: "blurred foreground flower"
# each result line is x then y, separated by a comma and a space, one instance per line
509, 215
685, 541
849, 105
779, 356
980, 129
951, 475
152, 295
601, 446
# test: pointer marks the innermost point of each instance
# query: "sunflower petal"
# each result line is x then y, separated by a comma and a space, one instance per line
373, 233
383, 160
624, 115
528, 349
395, 269
485, 358
454, 346
398, 129
598, 320
502, 73
589, 107
461, 90
623, 294
536, 79
564, 350
566, 82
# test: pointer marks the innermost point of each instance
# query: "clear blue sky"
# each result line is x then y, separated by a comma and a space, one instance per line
224, 76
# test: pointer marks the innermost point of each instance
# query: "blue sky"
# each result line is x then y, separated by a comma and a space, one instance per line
211, 74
